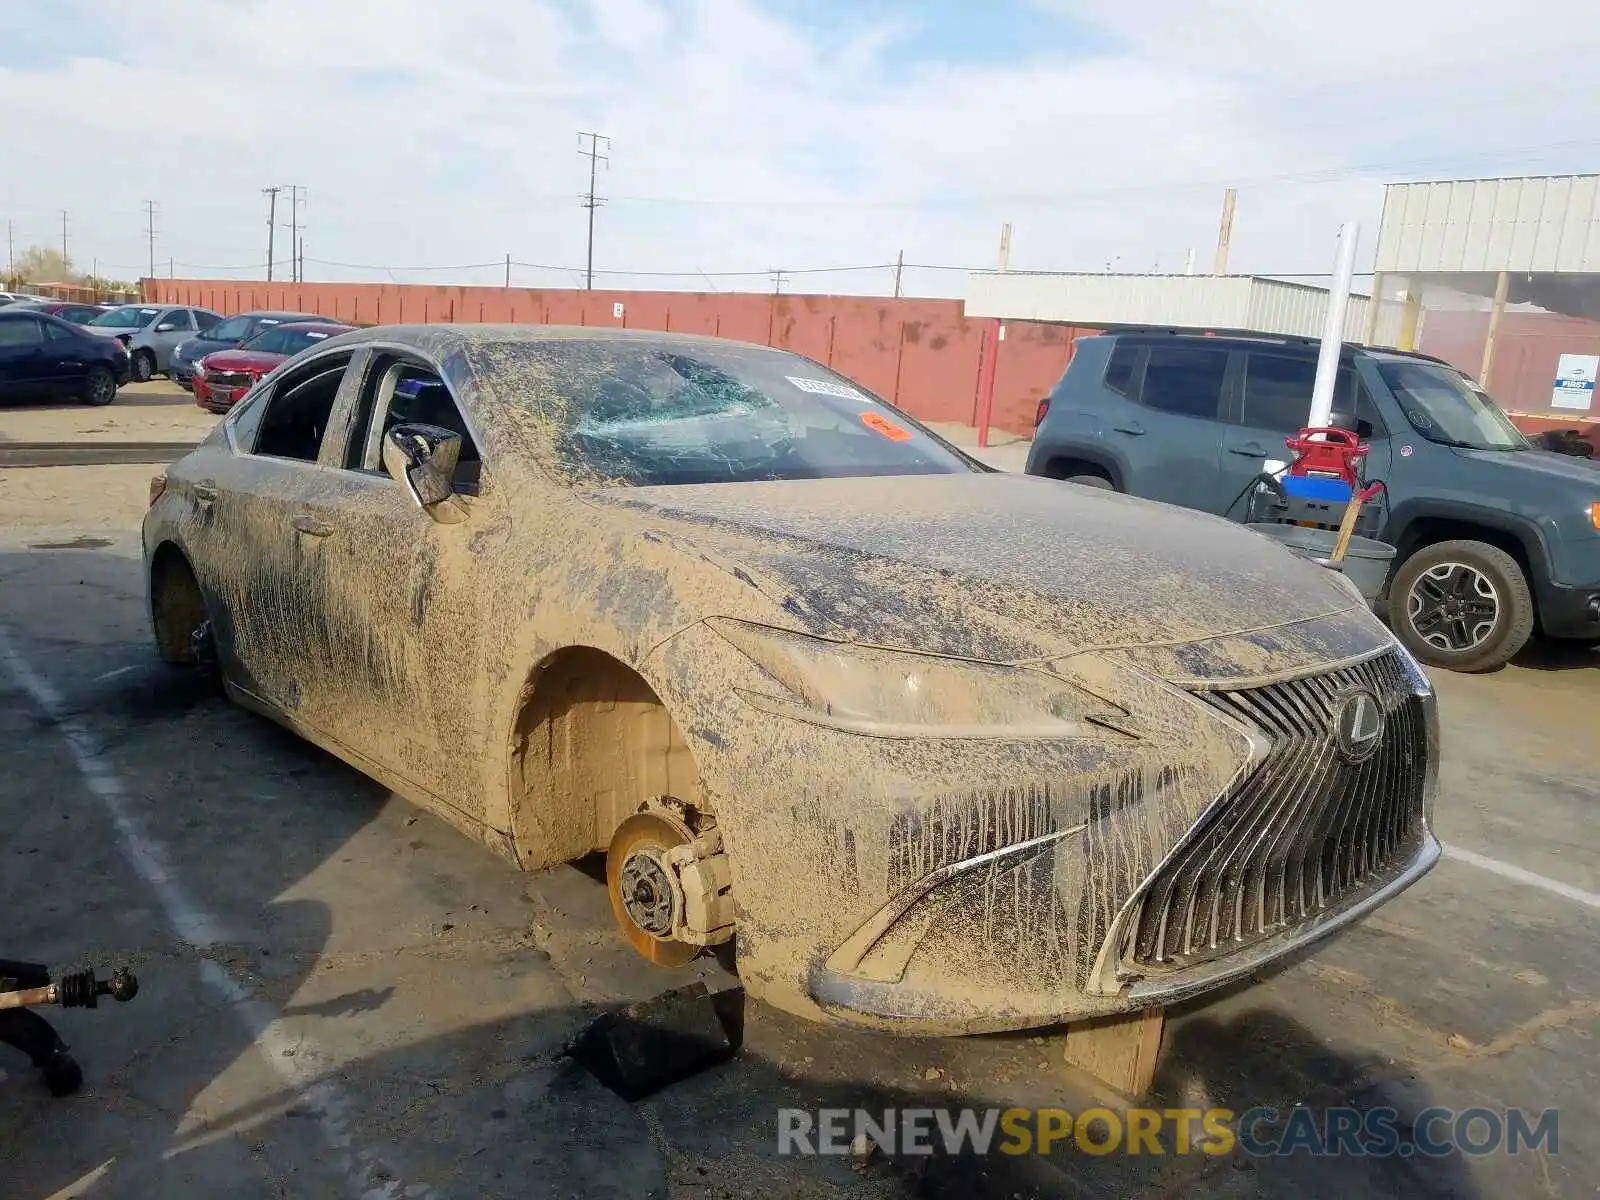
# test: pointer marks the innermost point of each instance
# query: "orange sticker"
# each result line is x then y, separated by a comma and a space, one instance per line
882, 425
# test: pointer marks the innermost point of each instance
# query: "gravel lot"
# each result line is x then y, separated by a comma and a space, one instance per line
344, 998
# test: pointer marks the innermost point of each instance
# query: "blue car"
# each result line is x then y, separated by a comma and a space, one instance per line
45, 358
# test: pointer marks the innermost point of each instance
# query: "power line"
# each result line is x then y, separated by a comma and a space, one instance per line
591, 201
296, 199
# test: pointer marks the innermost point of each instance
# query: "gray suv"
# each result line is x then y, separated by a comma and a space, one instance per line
151, 332
1495, 539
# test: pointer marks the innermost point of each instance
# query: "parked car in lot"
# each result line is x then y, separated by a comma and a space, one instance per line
224, 335
1048, 752
45, 358
68, 310
150, 331
220, 379
1495, 539
8, 298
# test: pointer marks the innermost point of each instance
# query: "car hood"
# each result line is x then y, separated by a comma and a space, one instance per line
107, 331
998, 567
195, 348
1541, 462
243, 360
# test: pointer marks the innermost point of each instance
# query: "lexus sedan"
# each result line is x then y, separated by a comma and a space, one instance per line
221, 378
226, 334
946, 750
43, 357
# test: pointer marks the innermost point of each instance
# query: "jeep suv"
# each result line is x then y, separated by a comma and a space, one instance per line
1494, 538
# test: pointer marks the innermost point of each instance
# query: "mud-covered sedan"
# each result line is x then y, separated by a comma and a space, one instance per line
944, 749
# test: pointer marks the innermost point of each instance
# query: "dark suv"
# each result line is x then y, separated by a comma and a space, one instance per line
1495, 538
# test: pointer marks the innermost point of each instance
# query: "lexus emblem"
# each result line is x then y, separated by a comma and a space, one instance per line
1358, 725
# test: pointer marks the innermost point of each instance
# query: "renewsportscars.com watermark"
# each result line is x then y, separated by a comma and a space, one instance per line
1259, 1132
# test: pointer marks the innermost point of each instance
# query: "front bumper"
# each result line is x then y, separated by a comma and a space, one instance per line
1570, 612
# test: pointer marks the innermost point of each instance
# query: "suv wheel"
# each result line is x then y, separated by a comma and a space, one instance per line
1464, 606
144, 366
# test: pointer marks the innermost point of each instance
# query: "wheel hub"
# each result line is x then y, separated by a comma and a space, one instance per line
647, 894
1454, 607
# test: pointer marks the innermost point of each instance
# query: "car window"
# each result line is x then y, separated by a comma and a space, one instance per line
234, 329
298, 408
1181, 379
286, 340
1277, 396
1122, 368
1445, 406
204, 320
58, 333
400, 391
20, 332
132, 317
179, 319
79, 313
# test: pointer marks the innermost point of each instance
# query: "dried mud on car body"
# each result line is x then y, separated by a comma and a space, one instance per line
424, 667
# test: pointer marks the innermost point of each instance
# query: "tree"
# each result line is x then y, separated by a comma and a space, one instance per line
40, 264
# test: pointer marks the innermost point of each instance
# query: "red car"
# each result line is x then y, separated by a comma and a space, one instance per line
220, 379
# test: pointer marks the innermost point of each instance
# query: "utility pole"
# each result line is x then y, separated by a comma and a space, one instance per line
590, 200
899, 270
172, 269
296, 199
150, 232
1004, 263
777, 280
271, 193
300, 274
508, 272
1225, 233
11, 250
66, 259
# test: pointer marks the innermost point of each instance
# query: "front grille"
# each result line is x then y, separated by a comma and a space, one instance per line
1303, 831
229, 379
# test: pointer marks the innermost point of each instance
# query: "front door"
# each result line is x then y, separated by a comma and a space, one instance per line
1275, 403
401, 592
21, 358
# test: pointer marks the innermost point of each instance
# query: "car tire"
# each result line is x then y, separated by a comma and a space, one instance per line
1094, 481
1462, 605
99, 387
144, 366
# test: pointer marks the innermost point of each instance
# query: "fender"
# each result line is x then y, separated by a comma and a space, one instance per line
1408, 513
1099, 456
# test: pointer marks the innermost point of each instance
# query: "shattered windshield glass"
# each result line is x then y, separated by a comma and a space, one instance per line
646, 414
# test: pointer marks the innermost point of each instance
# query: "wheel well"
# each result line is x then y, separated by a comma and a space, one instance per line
1064, 465
177, 607
591, 743
1430, 531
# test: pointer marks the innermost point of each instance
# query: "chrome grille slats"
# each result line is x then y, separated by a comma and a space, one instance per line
1301, 833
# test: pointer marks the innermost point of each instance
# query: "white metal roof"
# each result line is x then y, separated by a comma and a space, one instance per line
1169, 301
1537, 224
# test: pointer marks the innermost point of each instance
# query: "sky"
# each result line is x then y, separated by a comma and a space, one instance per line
432, 138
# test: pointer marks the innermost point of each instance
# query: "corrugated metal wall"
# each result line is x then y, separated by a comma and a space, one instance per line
1539, 224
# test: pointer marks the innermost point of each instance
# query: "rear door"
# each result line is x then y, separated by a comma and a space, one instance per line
262, 558
1274, 403
172, 327
66, 358
1171, 439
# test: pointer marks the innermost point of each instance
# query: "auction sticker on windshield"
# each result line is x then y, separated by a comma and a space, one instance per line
882, 425
826, 387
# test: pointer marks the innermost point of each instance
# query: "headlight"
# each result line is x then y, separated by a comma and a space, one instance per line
199, 369
904, 694
177, 351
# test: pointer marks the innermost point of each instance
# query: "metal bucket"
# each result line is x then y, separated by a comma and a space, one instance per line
1366, 561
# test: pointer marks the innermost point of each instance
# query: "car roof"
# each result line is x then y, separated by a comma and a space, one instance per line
283, 315
1252, 339
317, 326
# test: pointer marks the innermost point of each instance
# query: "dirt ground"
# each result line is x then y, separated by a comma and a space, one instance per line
343, 998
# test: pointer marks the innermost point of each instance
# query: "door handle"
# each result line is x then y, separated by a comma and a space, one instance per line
205, 492
312, 526
1132, 427
1249, 450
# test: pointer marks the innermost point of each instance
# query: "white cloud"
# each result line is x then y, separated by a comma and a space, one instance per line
444, 131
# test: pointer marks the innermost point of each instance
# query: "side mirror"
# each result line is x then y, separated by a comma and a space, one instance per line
165, 327
422, 459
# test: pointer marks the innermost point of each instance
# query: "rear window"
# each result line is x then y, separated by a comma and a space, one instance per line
1121, 368
1179, 379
